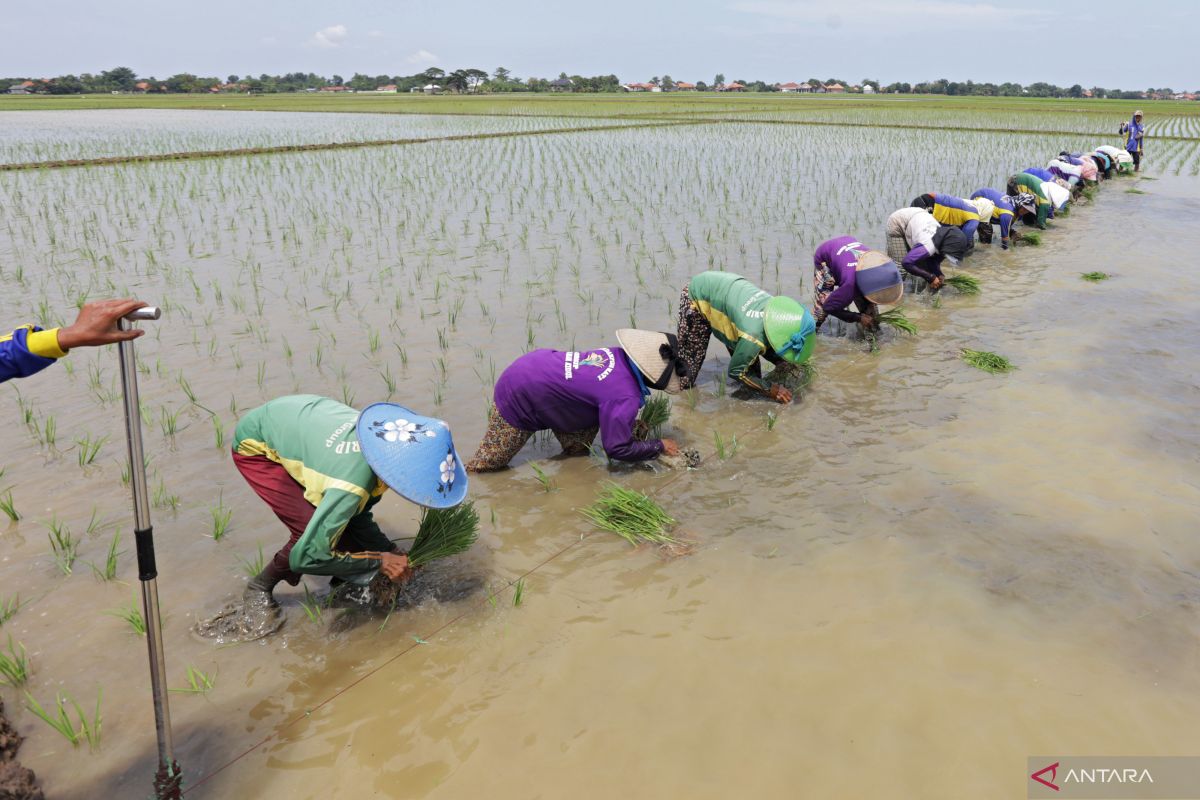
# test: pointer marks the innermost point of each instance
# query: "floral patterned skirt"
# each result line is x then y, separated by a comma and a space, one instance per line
501, 443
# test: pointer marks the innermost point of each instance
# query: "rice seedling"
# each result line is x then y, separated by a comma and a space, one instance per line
545, 480
9, 606
444, 532
988, 362
772, 419
655, 414
965, 284
1032, 238
252, 566
314, 607
518, 592
14, 666
64, 547
1134, 190
74, 732
109, 570
1094, 277
221, 514
168, 421
724, 448
692, 398
896, 318
8, 506
89, 448
631, 515
50, 433
199, 682
132, 615
218, 432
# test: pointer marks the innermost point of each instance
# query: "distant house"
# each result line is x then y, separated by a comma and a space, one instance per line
431, 88
562, 85
24, 87
835, 88
682, 86
389, 89
334, 89
790, 88
868, 89
141, 87
731, 87
818, 89
638, 87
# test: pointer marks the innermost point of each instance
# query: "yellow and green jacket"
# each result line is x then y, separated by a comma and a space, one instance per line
314, 439
27, 350
735, 308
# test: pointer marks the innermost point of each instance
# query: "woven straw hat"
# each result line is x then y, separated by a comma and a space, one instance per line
655, 354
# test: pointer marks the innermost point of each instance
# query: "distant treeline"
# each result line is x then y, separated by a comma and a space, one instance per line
124, 79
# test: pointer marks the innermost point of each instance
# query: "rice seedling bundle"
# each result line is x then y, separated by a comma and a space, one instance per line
965, 284
1094, 277
896, 318
655, 414
1032, 238
631, 515
444, 532
988, 362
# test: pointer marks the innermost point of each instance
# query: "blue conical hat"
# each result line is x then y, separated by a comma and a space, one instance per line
413, 454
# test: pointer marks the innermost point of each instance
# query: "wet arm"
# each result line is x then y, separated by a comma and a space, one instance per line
913, 263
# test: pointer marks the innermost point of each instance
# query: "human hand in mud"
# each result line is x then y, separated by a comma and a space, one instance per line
670, 448
867, 321
97, 324
780, 393
395, 566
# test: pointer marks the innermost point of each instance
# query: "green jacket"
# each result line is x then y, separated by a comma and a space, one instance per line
734, 308
314, 439
1032, 184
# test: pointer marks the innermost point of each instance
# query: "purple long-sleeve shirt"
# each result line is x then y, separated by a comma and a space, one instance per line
838, 257
574, 391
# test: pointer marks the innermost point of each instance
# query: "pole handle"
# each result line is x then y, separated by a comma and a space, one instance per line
145, 312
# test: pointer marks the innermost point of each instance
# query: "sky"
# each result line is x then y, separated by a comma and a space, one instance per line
1151, 43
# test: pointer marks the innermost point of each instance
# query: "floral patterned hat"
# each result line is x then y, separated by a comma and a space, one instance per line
412, 454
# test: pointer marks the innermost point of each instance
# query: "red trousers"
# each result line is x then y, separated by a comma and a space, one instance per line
285, 497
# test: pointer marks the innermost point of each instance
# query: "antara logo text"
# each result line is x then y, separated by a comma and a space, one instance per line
1090, 776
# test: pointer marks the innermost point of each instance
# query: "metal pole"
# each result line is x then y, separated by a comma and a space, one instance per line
167, 779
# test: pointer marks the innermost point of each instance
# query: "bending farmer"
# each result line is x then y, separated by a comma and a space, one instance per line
579, 394
919, 243
749, 322
321, 466
847, 272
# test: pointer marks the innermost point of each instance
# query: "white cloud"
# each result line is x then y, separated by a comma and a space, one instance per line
911, 15
328, 38
422, 57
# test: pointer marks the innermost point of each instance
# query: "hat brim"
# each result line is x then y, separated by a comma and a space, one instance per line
642, 347
412, 454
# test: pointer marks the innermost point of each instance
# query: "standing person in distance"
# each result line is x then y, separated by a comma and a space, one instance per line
1135, 132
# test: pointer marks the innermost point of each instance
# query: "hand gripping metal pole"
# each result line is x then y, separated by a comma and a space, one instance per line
167, 779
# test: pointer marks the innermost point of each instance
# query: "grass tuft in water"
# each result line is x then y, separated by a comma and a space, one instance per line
1094, 277
988, 362
9, 508
63, 545
519, 592
199, 682
221, 514
545, 480
132, 615
109, 571
73, 732
14, 666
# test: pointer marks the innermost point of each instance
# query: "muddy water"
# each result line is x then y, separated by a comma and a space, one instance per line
922, 575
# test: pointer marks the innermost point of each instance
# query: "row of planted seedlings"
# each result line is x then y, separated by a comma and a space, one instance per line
406, 273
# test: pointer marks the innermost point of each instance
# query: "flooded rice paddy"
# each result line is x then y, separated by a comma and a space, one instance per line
920, 575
